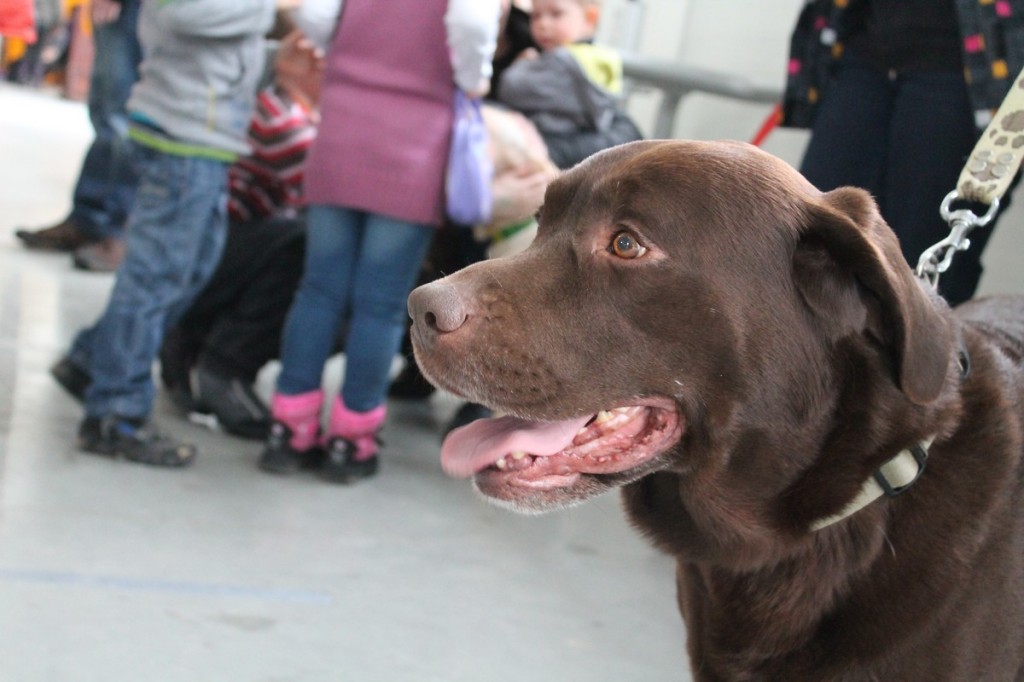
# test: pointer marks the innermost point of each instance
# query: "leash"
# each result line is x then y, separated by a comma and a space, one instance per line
985, 178
770, 123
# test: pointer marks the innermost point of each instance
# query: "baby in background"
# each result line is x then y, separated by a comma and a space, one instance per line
515, 148
571, 85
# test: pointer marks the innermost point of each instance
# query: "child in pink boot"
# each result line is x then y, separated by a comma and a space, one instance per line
375, 191
347, 454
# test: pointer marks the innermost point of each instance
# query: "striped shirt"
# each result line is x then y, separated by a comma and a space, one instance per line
268, 182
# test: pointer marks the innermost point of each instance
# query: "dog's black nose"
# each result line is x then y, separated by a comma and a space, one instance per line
438, 307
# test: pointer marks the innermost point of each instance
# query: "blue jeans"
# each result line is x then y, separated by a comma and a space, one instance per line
174, 238
905, 140
106, 185
360, 268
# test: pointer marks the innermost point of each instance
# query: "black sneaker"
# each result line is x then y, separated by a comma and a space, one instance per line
181, 398
134, 440
410, 384
279, 457
341, 466
469, 412
234, 403
72, 378
176, 360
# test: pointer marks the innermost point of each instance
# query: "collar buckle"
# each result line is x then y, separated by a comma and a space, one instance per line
920, 456
893, 478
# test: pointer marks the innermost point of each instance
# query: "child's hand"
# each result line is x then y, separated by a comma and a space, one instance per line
480, 90
516, 194
298, 66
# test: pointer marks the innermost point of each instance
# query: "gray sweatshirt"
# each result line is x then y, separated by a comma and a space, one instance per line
202, 62
554, 91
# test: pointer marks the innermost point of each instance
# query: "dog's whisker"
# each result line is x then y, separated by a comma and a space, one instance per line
496, 280
892, 549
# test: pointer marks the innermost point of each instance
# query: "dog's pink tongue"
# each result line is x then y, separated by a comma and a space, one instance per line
479, 444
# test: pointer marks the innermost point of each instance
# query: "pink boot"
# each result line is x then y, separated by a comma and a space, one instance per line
295, 432
352, 443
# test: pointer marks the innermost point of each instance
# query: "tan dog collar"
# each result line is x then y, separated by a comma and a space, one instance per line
891, 479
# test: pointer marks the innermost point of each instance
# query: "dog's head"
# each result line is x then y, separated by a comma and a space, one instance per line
688, 307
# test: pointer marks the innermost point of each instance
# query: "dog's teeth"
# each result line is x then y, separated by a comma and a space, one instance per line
518, 454
501, 463
603, 416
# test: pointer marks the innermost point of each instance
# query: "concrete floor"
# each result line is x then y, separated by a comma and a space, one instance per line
114, 571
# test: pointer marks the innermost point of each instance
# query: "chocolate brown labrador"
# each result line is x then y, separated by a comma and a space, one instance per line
751, 360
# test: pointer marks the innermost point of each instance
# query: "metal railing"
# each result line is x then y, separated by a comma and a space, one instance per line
676, 81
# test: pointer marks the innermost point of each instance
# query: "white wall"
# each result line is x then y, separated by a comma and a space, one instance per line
746, 37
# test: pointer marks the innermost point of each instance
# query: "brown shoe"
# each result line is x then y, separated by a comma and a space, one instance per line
64, 236
102, 256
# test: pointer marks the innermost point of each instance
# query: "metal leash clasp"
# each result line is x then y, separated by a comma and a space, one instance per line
937, 258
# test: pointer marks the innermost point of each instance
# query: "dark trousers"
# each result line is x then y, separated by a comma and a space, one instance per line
905, 139
234, 327
105, 190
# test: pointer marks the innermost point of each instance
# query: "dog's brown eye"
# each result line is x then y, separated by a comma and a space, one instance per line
625, 245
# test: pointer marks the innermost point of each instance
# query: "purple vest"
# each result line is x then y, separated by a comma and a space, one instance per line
386, 111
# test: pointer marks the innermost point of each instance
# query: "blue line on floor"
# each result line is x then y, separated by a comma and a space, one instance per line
166, 586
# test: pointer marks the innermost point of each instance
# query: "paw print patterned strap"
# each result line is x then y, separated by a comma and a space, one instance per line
985, 178
997, 156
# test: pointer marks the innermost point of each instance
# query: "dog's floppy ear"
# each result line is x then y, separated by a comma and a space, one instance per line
846, 243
